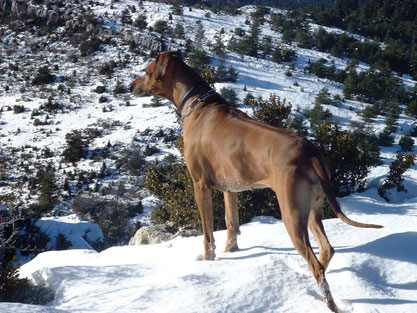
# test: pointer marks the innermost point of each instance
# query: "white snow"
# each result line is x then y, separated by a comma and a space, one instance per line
80, 233
373, 270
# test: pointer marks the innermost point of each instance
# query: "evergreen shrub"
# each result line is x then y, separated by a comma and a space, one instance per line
395, 178
76, 147
43, 76
350, 155
273, 111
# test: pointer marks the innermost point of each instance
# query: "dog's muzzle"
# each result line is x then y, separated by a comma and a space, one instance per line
139, 93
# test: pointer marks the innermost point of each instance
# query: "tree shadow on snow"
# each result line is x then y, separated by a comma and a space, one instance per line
399, 247
389, 301
371, 203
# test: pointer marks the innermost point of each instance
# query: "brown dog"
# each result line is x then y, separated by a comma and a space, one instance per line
229, 151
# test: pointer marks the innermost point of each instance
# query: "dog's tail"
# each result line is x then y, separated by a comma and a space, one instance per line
322, 170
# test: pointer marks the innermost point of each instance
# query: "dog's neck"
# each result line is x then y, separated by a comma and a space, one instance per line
187, 87
194, 91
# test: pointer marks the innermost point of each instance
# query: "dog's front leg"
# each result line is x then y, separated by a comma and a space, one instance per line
232, 221
203, 198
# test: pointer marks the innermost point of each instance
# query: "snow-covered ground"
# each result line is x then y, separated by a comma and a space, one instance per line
373, 270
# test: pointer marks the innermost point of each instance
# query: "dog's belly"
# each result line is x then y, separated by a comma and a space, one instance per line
236, 185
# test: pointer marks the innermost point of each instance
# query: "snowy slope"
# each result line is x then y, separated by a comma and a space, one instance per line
372, 270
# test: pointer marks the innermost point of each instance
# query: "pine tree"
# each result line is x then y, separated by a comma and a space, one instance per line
140, 22
266, 46
296, 124
318, 115
350, 85
198, 60
406, 143
395, 178
76, 147
179, 31
176, 9
229, 95
323, 97
218, 47
161, 26
231, 74
200, 36
250, 44
48, 188
126, 17
221, 73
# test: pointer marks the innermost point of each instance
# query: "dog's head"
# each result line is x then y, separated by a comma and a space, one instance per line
157, 80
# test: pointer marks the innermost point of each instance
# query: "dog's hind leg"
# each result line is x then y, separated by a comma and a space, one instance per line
315, 224
203, 198
295, 194
232, 221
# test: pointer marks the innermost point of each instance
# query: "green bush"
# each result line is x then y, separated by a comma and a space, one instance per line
172, 184
350, 155
18, 109
273, 111
321, 70
296, 124
161, 26
395, 176
112, 216
229, 95
280, 55
324, 97
15, 289
318, 115
90, 46
198, 60
406, 143
119, 88
50, 106
385, 138
43, 76
100, 89
76, 147
44, 184
19, 236
140, 22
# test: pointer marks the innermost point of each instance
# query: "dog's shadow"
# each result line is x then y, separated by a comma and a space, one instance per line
266, 251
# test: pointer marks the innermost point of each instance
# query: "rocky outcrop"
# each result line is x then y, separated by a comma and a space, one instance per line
54, 15
159, 233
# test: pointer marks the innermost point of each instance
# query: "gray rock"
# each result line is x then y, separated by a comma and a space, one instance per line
158, 233
151, 235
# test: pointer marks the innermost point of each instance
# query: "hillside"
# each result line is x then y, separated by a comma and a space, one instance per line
73, 140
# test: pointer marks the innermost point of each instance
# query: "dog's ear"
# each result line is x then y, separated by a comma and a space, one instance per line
163, 60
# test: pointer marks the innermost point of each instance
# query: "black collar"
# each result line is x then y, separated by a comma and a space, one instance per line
191, 92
